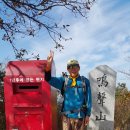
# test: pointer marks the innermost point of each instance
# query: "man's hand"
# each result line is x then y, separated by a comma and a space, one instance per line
49, 60
86, 120
50, 56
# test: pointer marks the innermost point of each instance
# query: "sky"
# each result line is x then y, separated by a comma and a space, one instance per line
102, 39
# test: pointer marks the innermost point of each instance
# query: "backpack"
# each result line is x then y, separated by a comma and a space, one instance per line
66, 82
84, 91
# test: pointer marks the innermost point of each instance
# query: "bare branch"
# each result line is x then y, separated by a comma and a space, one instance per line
28, 17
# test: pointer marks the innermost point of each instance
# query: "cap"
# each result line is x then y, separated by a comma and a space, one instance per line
72, 62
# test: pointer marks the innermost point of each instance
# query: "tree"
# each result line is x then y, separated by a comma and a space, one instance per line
27, 17
122, 105
2, 114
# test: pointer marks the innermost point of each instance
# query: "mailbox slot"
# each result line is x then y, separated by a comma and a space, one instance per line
18, 88
28, 87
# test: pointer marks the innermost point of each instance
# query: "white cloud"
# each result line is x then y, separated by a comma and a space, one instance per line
104, 38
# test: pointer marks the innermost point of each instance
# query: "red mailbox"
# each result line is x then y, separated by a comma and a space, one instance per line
28, 97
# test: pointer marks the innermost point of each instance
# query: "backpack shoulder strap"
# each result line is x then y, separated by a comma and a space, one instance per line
64, 85
83, 83
84, 91
66, 78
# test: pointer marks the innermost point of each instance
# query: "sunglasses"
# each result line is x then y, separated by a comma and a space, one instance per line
75, 66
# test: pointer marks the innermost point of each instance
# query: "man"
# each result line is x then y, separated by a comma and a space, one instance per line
76, 108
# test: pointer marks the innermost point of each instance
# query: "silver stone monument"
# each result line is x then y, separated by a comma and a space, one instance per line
103, 83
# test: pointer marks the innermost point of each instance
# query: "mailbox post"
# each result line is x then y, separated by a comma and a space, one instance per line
28, 104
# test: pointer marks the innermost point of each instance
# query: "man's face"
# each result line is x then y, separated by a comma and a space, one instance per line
73, 70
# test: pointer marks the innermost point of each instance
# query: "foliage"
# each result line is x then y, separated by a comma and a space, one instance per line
27, 17
2, 72
2, 114
122, 106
